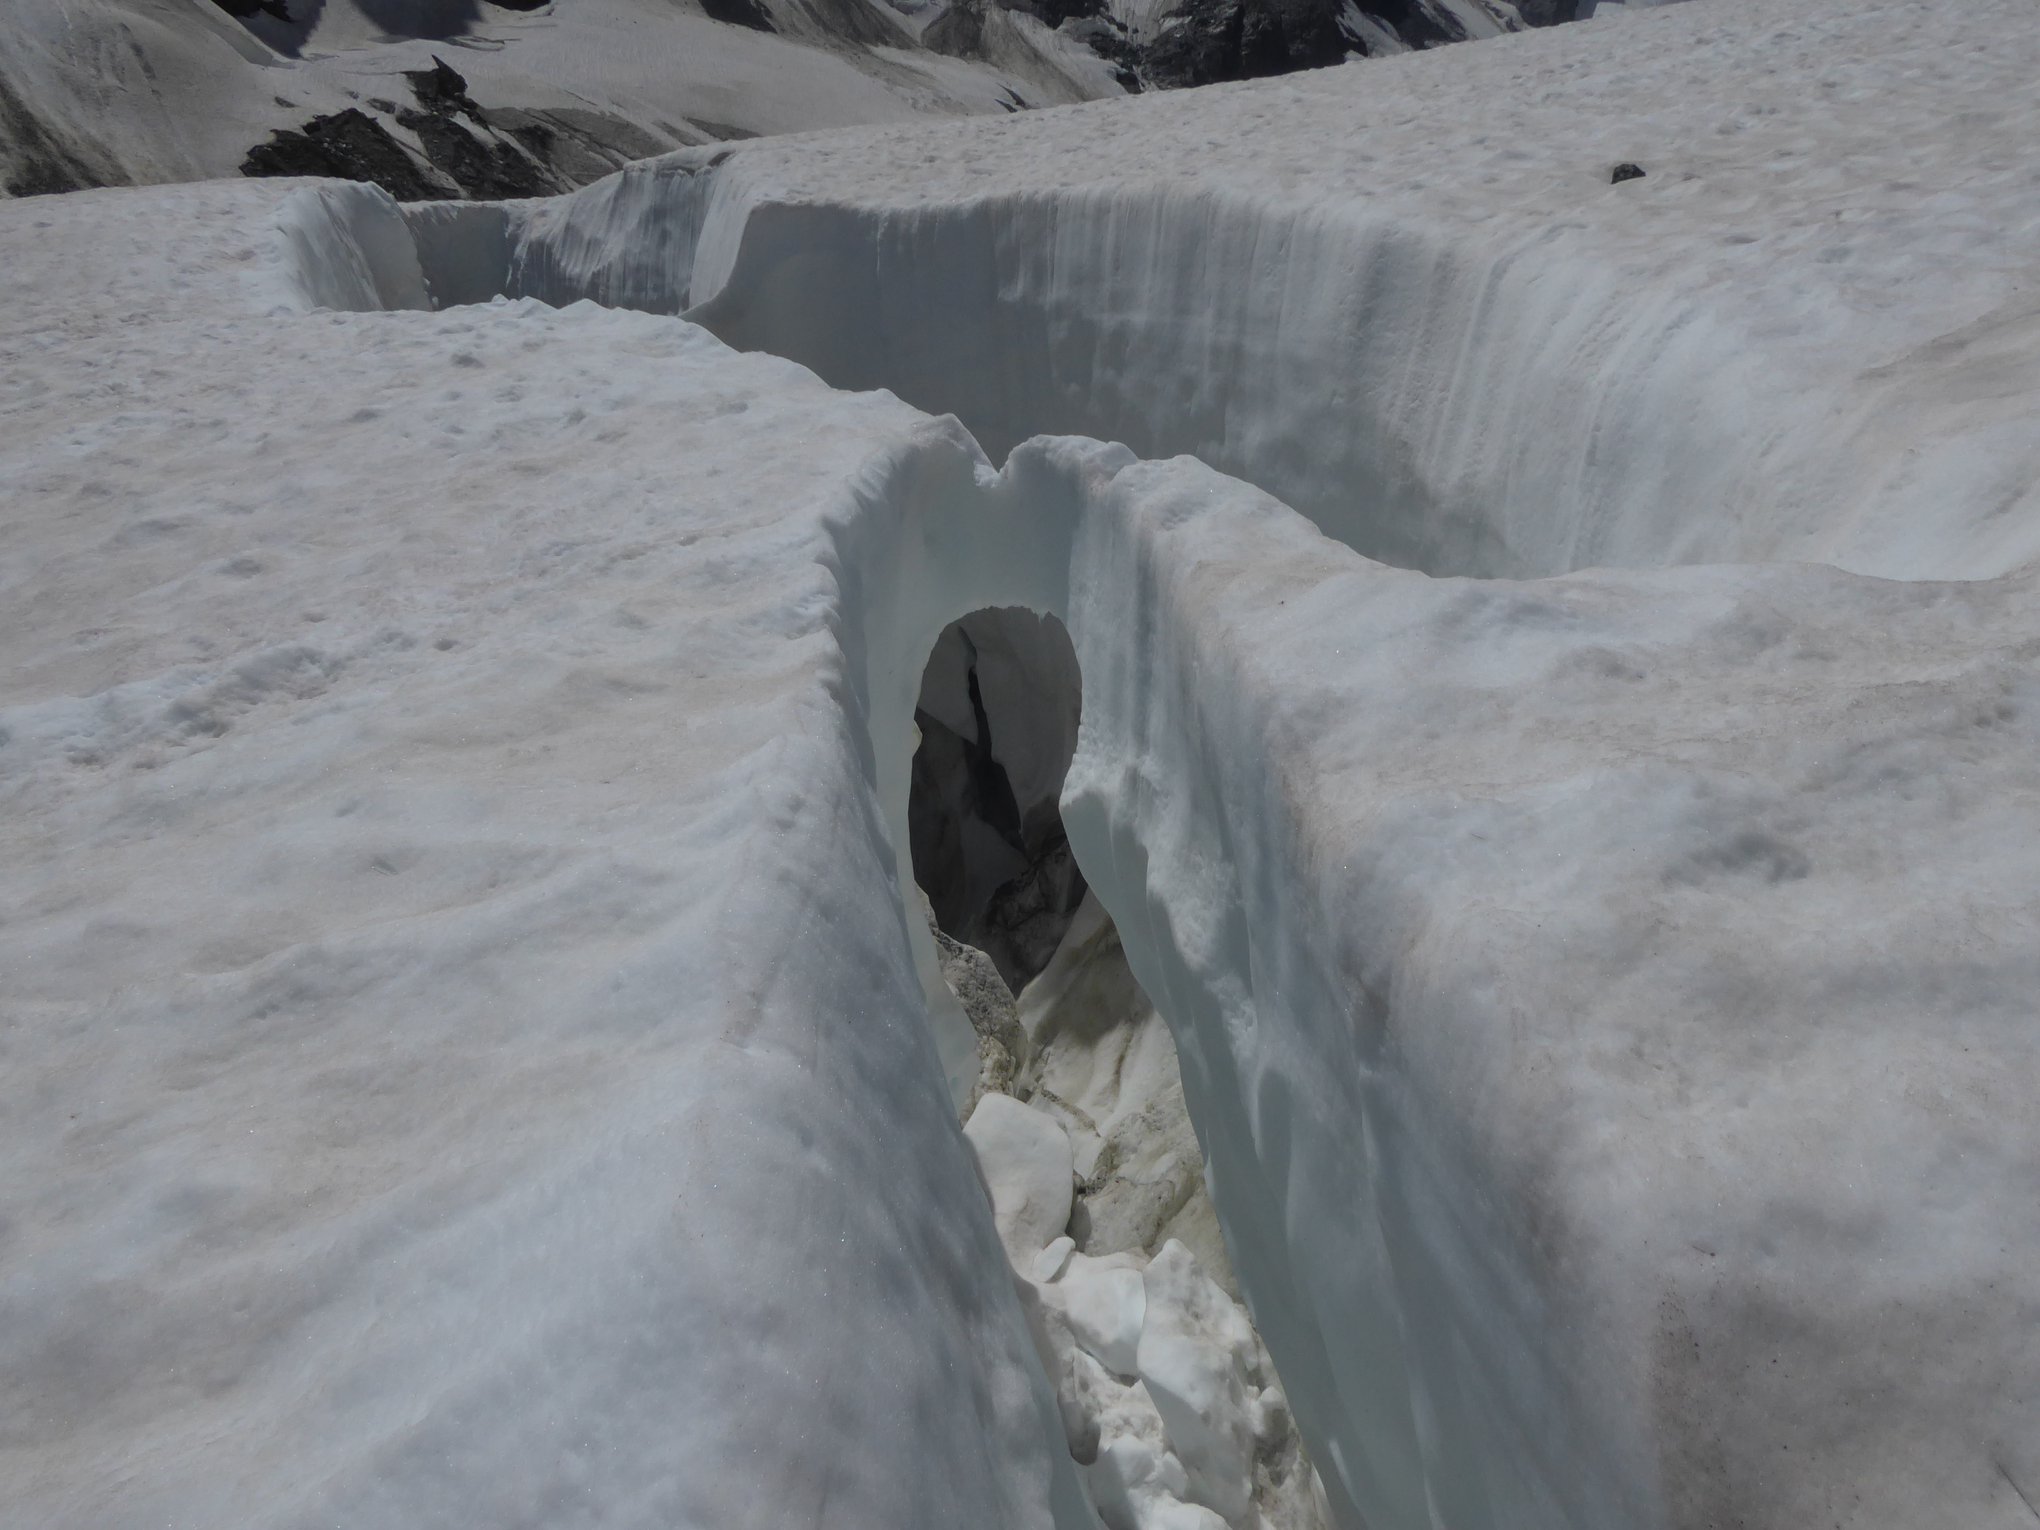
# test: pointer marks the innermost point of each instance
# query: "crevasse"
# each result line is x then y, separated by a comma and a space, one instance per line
1040, 316
1503, 411
1439, 424
1179, 806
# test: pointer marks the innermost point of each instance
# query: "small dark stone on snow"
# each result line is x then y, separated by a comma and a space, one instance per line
1626, 172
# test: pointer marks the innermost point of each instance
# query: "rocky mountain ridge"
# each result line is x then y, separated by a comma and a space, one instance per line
540, 96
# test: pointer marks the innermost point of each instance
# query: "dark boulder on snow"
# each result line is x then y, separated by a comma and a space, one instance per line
1626, 172
470, 158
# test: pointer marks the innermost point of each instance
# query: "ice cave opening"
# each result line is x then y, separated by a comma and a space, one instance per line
1077, 1118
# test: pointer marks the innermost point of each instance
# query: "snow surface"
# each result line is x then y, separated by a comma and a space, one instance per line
466, 1056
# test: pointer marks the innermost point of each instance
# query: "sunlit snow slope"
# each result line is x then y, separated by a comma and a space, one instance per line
465, 1058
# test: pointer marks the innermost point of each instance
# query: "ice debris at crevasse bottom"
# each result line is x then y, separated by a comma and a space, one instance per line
1169, 1401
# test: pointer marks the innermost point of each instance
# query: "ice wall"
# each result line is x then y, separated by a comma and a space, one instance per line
347, 247
1431, 408
1207, 917
1513, 404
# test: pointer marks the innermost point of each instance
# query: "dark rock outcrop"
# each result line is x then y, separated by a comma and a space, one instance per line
464, 152
436, 20
1055, 12
1206, 42
739, 13
241, 10
442, 89
348, 146
579, 145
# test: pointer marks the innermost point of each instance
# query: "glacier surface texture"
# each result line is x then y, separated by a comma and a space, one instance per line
1559, 748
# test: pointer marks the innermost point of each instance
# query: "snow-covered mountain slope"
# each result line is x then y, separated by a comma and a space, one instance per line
466, 1057
108, 92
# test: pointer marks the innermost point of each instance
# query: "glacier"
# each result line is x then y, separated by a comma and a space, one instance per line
1557, 747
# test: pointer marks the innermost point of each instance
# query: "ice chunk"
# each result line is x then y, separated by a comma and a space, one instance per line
1050, 1261
1024, 1157
1137, 1482
1196, 1360
1103, 1302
